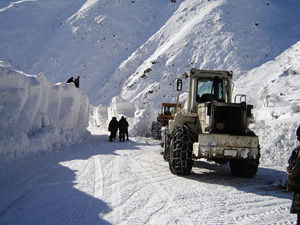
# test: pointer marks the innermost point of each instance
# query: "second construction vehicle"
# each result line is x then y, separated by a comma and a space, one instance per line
167, 113
212, 127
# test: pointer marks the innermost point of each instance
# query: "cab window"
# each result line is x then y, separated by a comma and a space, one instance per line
209, 89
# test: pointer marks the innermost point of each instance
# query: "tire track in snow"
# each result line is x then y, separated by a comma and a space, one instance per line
225, 196
35, 180
97, 189
83, 170
115, 191
263, 209
159, 197
126, 187
98, 178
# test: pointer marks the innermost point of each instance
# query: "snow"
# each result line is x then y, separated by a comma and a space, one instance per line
139, 116
128, 53
206, 35
37, 115
100, 182
274, 90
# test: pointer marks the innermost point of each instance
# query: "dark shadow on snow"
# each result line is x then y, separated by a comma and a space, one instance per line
264, 183
102, 146
48, 195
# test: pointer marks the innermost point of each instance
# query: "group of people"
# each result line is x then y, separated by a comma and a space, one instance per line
121, 125
294, 178
76, 81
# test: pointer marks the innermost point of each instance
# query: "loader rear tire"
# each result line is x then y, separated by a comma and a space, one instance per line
166, 153
246, 168
156, 130
221, 161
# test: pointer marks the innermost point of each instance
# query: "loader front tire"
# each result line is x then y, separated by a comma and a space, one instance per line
181, 148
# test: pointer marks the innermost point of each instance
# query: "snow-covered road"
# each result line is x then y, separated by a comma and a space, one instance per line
100, 182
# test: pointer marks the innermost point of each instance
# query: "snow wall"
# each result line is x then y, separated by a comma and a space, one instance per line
38, 116
138, 115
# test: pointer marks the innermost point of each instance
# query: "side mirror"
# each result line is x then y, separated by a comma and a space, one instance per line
179, 85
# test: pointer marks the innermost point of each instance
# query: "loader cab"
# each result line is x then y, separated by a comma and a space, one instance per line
206, 86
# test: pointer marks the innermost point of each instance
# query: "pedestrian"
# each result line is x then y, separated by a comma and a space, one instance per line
70, 80
113, 128
76, 82
126, 129
123, 125
294, 178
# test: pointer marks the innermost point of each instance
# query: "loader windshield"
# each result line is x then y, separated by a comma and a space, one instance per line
209, 89
168, 110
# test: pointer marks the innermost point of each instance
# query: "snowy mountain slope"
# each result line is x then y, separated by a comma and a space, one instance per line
136, 48
274, 89
231, 35
27, 26
280, 90
88, 38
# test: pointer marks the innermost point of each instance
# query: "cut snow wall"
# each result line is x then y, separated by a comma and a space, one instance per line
38, 116
139, 116
120, 106
99, 117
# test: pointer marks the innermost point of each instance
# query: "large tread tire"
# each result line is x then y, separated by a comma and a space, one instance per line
156, 130
181, 149
246, 168
166, 153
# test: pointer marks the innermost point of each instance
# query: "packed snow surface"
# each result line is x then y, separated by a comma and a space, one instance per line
103, 182
127, 54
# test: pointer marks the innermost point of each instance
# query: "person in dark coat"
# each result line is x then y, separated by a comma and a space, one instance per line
126, 130
113, 128
294, 178
123, 127
70, 80
76, 82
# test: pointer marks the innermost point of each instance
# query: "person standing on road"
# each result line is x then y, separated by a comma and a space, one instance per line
294, 178
123, 127
76, 81
113, 128
70, 80
126, 128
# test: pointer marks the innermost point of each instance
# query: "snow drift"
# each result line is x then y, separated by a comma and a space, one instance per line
274, 90
38, 116
139, 116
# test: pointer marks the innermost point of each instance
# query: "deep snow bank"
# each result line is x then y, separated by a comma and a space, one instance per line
274, 89
38, 116
139, 116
